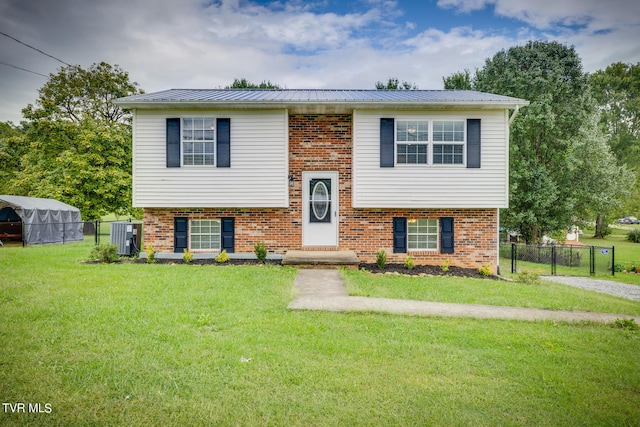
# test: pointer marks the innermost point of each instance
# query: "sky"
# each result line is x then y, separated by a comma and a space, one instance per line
321, 44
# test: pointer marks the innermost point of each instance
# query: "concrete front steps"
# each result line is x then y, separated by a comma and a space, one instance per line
321, 259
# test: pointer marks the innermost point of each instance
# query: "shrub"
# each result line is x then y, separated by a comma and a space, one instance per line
151, 254
528, 277
260, 250
628, 324
105, 253
187, 257
485, 270
223, 257
618, 268
408, 263
445, 265
634, 236
381, 259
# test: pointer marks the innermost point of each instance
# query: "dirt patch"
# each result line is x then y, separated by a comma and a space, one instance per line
422, 270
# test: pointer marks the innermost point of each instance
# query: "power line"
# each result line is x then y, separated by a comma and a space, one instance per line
36, 49
20, 68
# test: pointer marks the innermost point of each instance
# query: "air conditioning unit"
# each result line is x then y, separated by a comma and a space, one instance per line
127, 236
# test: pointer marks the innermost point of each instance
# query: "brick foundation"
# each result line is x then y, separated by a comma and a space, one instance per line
323, 143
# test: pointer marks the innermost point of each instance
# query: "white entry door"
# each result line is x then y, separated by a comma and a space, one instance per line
320, 209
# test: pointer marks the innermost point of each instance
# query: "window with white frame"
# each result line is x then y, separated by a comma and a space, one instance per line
198, 141
422, 234
412, 139
205, 233
448, 142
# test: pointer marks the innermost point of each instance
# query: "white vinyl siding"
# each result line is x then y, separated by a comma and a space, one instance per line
258, 176
436, 186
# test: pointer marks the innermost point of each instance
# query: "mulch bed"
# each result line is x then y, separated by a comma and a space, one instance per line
422, 270
390, 268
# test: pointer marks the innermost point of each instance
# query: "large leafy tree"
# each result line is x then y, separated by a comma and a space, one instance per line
543, 196
458, 81
616, 90
77, 144
75, 94
604, 184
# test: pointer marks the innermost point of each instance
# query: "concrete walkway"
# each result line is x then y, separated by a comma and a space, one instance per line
324, 290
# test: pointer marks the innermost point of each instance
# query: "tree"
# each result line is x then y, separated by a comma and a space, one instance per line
85, 164
12, 148
603, 183
75, 94
458, 81
617, 93
543, 195
77, 142
245, 84
394, 84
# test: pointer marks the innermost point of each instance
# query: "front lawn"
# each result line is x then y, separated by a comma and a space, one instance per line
140, 345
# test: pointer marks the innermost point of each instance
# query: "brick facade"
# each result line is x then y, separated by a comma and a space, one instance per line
324, 143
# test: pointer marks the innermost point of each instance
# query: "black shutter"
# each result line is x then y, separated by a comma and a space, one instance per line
399, 235
446, 235
228, 235
180, 234
473, 143
387, 143
223, 140
173, 143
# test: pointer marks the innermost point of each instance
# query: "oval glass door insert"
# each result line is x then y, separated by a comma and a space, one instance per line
320, 201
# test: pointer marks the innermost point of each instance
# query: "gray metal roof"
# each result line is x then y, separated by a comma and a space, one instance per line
292, 97
35, 203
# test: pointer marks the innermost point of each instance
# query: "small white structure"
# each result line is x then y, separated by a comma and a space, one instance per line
45, 220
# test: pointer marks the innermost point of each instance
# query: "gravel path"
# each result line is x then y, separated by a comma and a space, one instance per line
605, 286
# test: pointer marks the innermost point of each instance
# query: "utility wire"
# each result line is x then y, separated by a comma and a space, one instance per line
36, 49
20, 68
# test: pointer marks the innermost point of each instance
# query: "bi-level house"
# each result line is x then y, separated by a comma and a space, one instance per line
421, 173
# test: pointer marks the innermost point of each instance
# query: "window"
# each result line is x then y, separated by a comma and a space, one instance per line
422, 234
451, 132
198, 141
205, 234
412, 137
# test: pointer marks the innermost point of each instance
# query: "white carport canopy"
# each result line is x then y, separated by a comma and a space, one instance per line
45, 220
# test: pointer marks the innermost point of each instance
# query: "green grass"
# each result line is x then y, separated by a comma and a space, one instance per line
462, 290
138, 344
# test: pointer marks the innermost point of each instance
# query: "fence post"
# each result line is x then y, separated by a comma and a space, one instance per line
513, 258
592, 261
553, 260
613, 260
97, 231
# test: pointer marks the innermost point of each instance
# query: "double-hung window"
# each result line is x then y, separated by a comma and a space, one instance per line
448, 142
198, 141
205, 234
412, 139
422, 234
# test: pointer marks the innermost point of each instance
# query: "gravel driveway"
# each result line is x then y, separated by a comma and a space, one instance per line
605, 286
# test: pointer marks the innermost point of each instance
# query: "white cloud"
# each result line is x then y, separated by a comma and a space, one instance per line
595, 15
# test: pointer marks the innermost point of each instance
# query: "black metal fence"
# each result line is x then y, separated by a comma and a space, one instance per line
560, 260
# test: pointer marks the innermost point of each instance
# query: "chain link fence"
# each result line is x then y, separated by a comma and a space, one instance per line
560, 260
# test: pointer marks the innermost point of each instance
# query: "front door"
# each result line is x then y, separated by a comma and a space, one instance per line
320, 209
